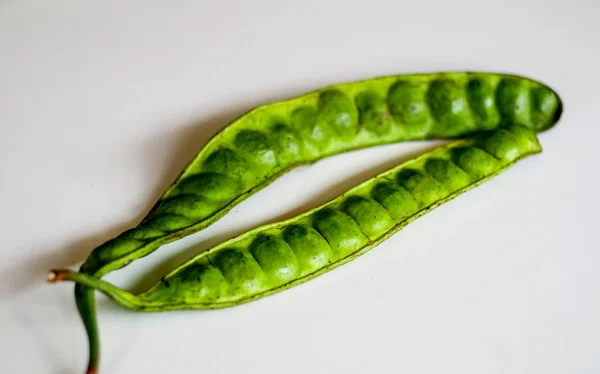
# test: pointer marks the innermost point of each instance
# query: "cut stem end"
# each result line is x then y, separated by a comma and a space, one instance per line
55, 276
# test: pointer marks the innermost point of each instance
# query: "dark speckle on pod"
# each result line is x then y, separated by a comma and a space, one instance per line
198, 282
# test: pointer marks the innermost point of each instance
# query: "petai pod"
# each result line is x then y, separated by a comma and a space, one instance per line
277, 256
264, 143
253, 150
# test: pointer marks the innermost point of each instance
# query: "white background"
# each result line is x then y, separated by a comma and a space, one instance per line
103, 103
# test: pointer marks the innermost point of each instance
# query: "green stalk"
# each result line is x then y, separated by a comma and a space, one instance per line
121, 297
86, 305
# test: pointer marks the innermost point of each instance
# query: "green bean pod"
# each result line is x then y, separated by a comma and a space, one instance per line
266, 142
274, 257
261, 145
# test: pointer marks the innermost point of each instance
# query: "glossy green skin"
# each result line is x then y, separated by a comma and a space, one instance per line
268, 141
261, 145
274, 257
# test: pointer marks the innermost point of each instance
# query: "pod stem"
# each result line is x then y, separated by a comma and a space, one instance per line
86, 305
120, 296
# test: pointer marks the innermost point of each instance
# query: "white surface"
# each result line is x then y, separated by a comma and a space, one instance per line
103, 103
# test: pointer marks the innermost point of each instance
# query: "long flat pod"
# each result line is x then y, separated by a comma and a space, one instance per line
256, 148
277, 256
264, 143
